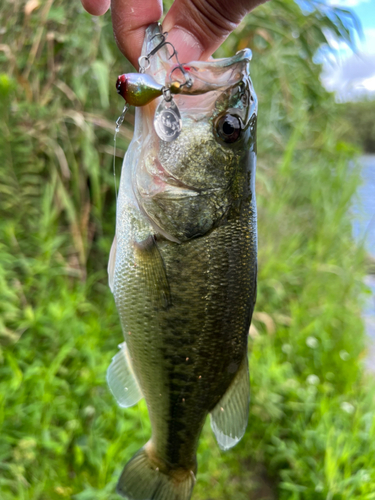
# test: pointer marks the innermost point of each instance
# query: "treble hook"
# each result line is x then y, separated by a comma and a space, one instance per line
163, 43
188, 81
142, 68
174, 53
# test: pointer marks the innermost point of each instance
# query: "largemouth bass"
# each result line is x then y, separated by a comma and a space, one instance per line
183, 269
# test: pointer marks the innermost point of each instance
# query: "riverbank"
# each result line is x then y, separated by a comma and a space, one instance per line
370, 264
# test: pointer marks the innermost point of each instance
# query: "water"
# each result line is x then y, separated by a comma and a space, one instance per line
364, 223
364, 231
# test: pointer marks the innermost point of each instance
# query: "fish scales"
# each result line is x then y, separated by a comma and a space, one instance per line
202, 334
185, 279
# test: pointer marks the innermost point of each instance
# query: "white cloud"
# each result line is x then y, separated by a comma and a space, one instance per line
350, 77
369, 83
350, 74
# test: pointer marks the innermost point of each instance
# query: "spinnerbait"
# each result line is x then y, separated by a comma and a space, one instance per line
139, 89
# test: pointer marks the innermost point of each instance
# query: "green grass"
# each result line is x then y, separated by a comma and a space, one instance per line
311, 433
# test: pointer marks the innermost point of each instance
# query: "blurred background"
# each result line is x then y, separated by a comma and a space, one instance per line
311, 433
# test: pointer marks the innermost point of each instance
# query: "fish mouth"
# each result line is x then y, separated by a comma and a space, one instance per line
153, 182
156, 181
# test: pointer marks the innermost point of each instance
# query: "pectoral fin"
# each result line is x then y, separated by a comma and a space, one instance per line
121, 379
230, 416
150, 267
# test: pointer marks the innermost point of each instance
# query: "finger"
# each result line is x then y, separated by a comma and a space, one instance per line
96, 7
198, 27
130, 18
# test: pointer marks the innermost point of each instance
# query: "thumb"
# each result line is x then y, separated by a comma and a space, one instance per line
198, 27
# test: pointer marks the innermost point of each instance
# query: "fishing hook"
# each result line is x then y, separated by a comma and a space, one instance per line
142, 68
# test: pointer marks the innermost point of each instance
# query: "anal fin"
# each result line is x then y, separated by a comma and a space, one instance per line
121, 379
230, 416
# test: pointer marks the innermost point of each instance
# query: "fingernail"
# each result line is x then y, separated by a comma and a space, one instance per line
187, 46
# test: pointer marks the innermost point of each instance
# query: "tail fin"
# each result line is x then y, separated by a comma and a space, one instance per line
142, 479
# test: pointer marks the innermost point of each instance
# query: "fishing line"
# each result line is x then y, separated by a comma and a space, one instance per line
114, 163
119, 122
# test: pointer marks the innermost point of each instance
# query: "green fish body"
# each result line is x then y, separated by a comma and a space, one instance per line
183, 273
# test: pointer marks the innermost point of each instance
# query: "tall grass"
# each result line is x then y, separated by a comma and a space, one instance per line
311, 429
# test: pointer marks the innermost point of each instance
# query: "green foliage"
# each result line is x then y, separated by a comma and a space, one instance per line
311, 431
360, 122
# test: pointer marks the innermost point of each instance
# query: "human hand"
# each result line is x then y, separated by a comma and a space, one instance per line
196, 27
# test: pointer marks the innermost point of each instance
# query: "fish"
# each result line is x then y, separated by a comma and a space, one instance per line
183, 270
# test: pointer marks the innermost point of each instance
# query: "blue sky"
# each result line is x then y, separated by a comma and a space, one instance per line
347, 73
365, 10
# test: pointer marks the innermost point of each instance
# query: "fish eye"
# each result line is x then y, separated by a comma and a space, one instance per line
228, 128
